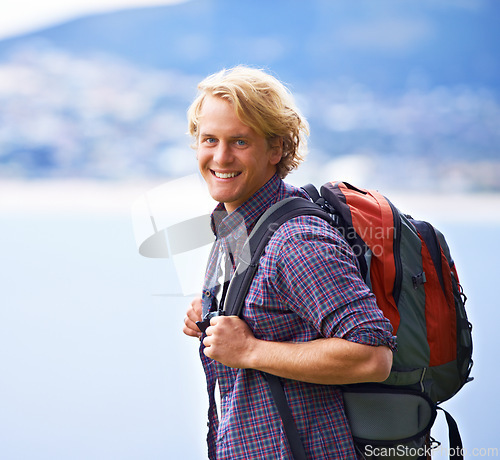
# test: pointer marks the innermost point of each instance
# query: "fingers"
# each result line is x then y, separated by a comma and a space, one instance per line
228, 340
224, 330
194, 310
193, 315
210, 338
191, 330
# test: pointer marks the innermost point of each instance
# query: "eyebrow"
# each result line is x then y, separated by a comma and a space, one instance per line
236, 136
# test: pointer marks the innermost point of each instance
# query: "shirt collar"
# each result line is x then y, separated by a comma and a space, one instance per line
246, 215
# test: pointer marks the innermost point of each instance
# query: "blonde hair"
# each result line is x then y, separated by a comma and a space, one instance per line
261, 102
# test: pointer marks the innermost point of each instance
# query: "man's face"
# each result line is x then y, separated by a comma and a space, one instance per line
234, 160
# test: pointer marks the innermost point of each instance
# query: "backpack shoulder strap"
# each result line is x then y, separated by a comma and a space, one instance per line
255, 244
312, 191
455, 441
264, 229
289, 426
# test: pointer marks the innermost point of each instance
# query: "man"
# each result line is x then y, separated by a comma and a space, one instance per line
308, 317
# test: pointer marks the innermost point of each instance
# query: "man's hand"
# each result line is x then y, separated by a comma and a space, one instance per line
193, 314
331, 361
229, 341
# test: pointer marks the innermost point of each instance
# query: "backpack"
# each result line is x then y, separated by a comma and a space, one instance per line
408, 266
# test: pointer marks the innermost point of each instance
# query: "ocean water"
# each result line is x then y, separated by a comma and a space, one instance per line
93, 363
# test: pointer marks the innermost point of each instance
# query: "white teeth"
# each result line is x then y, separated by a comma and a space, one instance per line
225, 175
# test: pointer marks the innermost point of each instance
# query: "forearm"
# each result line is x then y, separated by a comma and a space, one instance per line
329, 361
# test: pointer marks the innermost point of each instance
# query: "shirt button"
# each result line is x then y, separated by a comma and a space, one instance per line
206, 293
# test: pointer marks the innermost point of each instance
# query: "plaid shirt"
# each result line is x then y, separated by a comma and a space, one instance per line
307, 287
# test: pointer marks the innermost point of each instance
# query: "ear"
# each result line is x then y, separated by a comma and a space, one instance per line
276, 148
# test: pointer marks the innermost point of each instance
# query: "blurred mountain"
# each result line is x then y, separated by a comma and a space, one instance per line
399, 93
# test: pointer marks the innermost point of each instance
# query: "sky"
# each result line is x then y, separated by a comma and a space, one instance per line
23, 16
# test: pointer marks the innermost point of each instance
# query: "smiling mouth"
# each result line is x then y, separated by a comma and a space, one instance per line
225, 175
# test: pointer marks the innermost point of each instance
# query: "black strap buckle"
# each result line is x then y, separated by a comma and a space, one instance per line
202, 325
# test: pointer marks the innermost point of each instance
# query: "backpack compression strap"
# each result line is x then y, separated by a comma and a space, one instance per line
455, 441
245, 271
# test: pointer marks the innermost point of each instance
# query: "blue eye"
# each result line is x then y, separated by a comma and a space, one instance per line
241, 142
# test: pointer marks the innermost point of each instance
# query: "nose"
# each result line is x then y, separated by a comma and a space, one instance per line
223, 154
